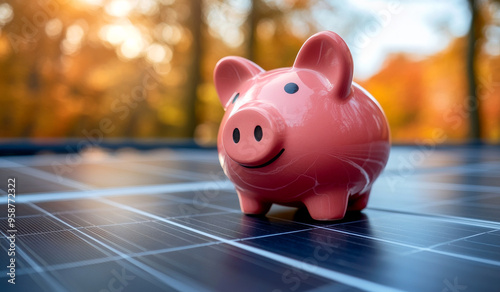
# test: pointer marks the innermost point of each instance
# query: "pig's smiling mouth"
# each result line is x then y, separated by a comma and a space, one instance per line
266, 163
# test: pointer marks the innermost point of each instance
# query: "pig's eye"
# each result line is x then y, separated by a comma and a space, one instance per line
291, 88
236, 97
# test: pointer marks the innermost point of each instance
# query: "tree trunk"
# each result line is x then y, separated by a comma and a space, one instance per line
472, 52
194, 71
253, 19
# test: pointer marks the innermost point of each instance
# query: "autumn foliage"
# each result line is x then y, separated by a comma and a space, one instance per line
68, 68
421, 97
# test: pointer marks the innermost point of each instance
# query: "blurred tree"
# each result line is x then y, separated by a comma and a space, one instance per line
253, 19
480, 14
78, 63
197, 27
425, 97
67, 66
277, 30
474, 37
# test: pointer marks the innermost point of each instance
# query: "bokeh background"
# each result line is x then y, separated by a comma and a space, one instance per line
143, 68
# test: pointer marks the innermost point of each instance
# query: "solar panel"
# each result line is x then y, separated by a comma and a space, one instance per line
169, 220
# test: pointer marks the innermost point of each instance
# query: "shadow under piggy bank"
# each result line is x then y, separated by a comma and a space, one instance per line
303, 216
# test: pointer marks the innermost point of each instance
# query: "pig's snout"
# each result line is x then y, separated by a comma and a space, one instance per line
253, 136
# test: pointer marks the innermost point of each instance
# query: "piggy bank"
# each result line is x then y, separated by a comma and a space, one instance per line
301, 136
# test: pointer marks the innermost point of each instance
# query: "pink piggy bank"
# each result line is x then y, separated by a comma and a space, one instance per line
301, 136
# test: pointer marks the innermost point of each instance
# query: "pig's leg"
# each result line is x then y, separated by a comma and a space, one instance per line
330, 205
359, 202
252, 206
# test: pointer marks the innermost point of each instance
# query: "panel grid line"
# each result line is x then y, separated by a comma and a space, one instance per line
332, 275
171, 282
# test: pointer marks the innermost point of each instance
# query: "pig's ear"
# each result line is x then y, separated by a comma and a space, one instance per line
229, 73
327, 53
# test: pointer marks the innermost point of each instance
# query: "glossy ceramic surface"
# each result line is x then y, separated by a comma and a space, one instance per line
305, 135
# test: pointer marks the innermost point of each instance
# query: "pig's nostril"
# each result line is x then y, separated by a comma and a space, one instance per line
257, 133
236, 135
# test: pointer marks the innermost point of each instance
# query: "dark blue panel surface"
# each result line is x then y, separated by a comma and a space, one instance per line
170, 221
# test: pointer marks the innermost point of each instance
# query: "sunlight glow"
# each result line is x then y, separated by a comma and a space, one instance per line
119, 8
492, 45
6, 13
147, 7
157, 53
53, 27
225, 21
92, 2
74, 34
131, 48
171, 34
72, 43
129, 40
414, 27
114, 34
